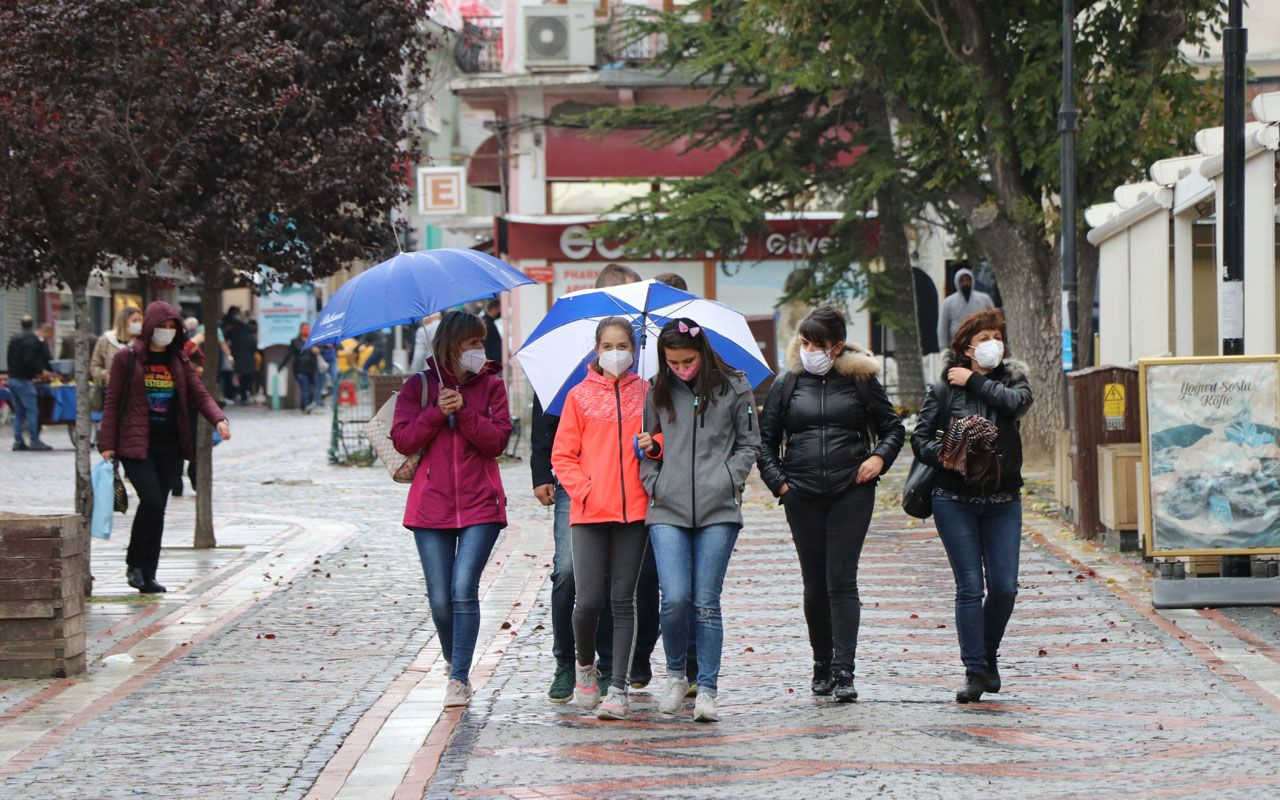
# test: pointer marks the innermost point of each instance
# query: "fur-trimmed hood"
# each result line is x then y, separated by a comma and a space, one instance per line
1016, 370
855, 362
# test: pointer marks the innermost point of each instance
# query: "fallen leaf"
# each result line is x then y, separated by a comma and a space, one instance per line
915, 616
506, 623
269, 636
749, 650
1043, 653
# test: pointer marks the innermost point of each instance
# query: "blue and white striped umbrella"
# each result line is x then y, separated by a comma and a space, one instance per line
556, 354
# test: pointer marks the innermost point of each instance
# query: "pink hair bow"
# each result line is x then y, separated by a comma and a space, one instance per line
694, 331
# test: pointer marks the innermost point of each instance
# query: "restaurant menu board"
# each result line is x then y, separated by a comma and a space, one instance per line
1209, 433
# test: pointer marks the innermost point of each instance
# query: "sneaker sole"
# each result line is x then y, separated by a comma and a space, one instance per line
611, 715
587, 706
706, 717
560, 701
457, 704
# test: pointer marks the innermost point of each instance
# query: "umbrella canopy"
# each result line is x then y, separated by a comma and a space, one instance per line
556, 354
410, 286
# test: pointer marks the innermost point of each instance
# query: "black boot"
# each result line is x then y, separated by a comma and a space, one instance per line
975, 683
822, 680
993, 676
150, 586
135, 578
844, 690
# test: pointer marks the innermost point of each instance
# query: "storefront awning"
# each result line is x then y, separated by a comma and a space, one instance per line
552, 237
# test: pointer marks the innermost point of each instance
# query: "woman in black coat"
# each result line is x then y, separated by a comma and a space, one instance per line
829, 432
979, 513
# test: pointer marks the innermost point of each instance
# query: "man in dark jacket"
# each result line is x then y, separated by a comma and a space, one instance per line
29, 364
493, 336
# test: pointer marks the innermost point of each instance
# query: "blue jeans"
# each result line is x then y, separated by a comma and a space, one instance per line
691, 566
452, 561
25, 407
981, 539
563, 592
306, 388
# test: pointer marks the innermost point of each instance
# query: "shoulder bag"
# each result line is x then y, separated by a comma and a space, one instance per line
400, 467
917, 494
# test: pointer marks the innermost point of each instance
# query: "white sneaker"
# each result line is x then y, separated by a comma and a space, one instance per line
457, 694
587, 691
673, 695
615, 705
704, 708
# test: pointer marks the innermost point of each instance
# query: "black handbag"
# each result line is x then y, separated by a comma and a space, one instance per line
922, 479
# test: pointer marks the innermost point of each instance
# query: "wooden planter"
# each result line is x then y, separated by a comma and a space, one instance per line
43, 569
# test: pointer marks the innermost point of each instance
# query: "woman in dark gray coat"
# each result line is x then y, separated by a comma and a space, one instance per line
702, 417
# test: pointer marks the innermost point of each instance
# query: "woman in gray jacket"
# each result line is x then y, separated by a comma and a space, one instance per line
702, 417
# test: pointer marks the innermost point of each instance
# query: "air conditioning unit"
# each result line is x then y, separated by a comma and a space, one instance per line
559, 37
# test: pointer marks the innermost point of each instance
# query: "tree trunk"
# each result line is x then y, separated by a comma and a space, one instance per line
84, 426
211, 309
895, 250
901, 316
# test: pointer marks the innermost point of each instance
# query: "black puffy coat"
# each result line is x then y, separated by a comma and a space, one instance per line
816, 440
1002, 396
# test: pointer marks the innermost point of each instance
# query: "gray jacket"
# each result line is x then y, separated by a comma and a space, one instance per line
700, 475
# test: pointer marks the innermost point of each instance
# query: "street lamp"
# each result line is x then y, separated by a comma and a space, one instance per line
1235, 43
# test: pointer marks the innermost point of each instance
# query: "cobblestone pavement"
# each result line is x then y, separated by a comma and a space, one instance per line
297, 660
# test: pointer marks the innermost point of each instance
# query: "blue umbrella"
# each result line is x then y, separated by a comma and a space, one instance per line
556, 354
410, 286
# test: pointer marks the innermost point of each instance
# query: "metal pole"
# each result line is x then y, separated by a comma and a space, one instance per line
1067, 117
1231, 314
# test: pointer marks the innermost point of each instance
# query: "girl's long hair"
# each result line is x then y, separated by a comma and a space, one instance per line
713, 374
122, 320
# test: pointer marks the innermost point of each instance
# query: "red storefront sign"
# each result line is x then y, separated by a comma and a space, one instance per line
542, 274
552, 240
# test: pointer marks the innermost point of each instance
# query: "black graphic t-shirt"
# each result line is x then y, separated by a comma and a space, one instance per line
162, 398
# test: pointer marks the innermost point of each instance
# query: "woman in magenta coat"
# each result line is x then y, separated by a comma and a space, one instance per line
147, 416
456, 504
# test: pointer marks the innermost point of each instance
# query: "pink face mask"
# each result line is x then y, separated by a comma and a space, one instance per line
688, 372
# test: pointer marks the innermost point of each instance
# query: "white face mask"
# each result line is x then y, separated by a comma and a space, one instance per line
616, 362
817, 362
163, 337
472, 360
989, 353
135, 329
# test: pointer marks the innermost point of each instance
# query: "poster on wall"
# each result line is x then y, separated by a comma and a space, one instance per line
1209, 435
281, 313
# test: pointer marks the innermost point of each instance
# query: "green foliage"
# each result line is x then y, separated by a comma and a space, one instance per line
973, 89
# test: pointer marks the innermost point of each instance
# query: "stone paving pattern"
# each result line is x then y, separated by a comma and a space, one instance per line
1103, 697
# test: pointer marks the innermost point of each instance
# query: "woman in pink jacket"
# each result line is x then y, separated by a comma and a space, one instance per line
456, 504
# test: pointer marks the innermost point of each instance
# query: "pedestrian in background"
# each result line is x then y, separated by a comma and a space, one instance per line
29, 364
549, 492
960, 305
977, 504
128, 326
492, 333
231, 327
702, 415
595, 457
456, 505
145, 423
244, 352
306, 367
829, 432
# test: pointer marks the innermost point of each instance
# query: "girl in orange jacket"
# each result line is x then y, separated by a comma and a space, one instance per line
595, 459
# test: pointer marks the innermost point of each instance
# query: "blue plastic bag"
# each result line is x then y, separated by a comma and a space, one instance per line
102, 476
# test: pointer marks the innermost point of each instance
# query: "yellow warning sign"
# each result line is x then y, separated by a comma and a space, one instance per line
1113, 400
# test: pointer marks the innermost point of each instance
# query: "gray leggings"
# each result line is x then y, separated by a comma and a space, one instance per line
605, 553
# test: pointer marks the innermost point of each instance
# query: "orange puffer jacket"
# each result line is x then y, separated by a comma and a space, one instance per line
594, 456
